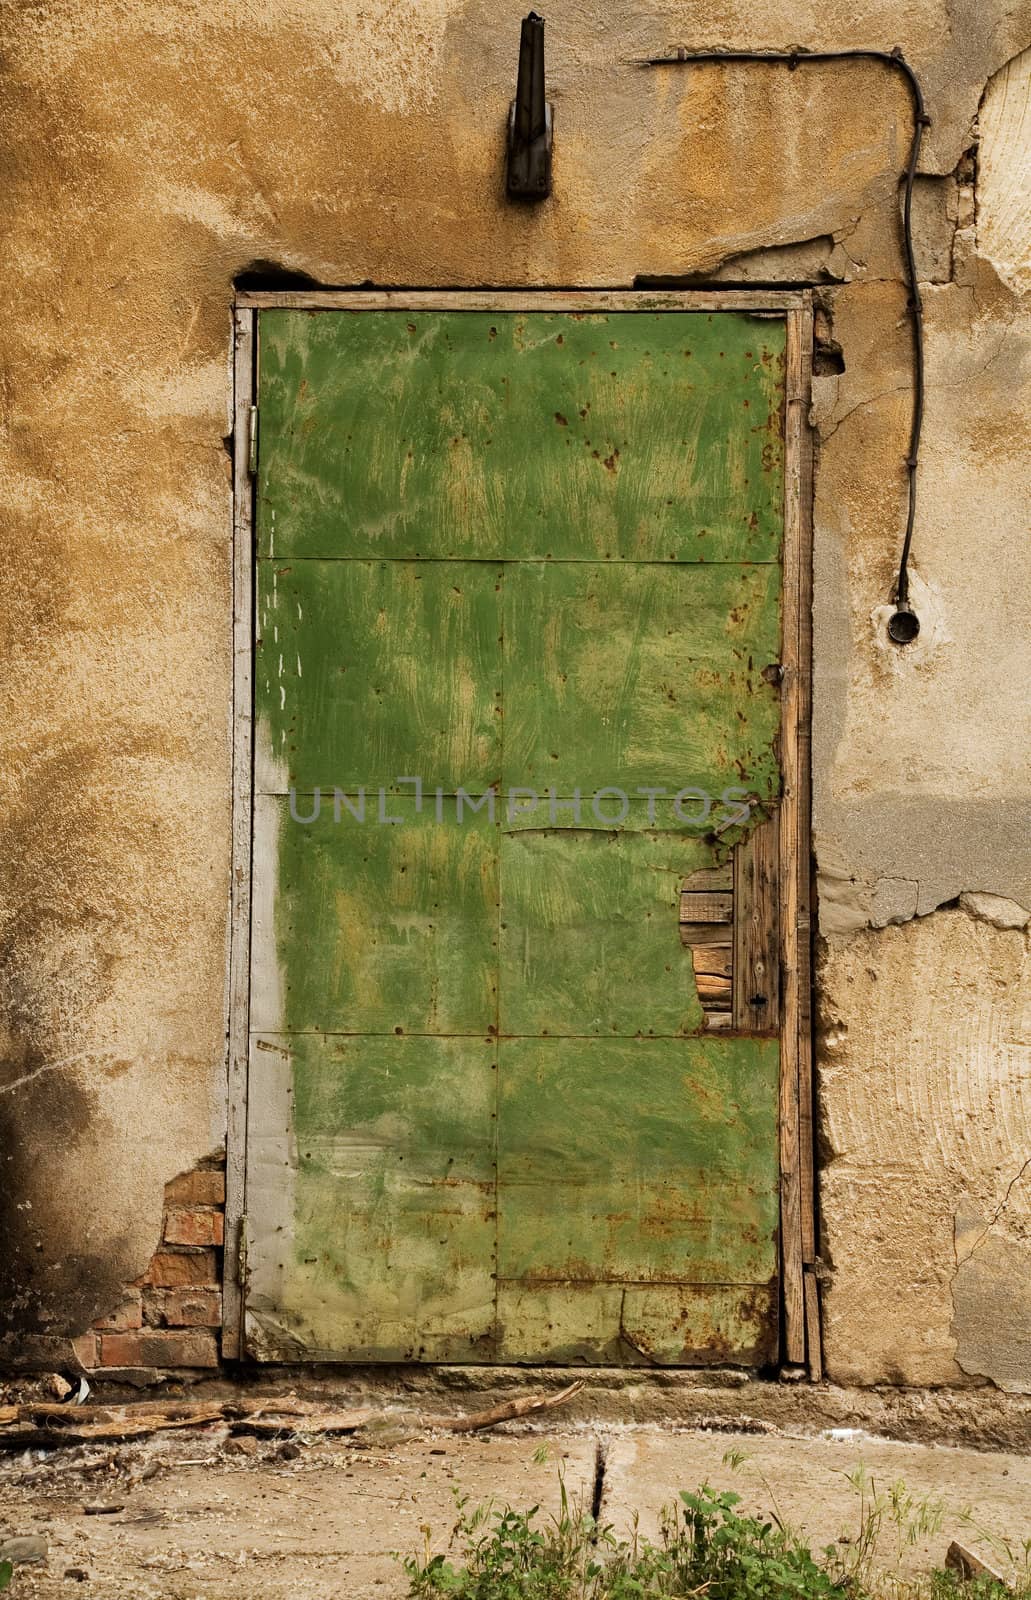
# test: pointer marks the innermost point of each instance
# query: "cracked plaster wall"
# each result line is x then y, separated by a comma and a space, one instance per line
152, 154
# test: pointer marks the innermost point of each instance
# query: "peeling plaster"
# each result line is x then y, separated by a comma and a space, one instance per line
993, 908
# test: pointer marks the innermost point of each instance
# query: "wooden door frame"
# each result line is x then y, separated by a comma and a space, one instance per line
800, 1320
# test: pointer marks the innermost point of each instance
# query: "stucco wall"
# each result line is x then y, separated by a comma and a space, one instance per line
154, 153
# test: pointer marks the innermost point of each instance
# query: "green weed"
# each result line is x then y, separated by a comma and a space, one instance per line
707, 1547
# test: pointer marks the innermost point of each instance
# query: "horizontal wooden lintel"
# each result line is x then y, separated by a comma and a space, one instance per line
776, 300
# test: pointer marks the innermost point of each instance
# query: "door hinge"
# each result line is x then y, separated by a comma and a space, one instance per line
241, 1252
252, 441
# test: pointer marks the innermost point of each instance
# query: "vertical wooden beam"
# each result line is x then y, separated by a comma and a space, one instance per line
244, 331
791, 706
803, 735
755, 1004
813, 1335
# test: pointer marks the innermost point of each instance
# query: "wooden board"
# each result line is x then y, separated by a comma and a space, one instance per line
761, 301
756, 1002
794, 918
239, 951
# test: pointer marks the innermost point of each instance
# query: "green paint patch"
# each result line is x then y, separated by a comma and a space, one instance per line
637, 1160
625, 436
590, 936
634, 1324
641, 676
368, 671
392, 1251
387, 928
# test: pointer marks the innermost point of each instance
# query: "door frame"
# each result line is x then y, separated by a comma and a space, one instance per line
800, 1313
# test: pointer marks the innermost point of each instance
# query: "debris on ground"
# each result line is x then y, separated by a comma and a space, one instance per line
27, 1549
209, 1513
967, 1566
44, 1423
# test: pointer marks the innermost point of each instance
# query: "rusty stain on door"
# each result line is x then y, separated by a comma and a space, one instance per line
518, 602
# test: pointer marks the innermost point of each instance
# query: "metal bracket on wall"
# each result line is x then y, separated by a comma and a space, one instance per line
530, 119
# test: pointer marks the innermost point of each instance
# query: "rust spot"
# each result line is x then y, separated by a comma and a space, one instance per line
560, 419
610, 461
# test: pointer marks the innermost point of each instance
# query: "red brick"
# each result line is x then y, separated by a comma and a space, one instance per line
174, 1269
193, 1225
126, 1315
159, 1347
204, 1187
182, 1308
85, 1350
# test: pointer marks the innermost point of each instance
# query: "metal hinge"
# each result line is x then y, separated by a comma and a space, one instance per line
241, 1252
252, 441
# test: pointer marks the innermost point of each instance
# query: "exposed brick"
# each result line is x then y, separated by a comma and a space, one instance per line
159, 1347
174, 1269
85, 1350
126, 1315
193, 1225
182, 1308
204, 1187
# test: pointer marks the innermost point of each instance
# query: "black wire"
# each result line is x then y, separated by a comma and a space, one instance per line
892, 58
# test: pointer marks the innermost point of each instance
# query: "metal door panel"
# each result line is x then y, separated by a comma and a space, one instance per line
512, 551
364, 667
641, 676
489, 435
371, 1194
377, 927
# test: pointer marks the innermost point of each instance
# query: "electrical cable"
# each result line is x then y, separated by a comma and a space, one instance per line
904, 625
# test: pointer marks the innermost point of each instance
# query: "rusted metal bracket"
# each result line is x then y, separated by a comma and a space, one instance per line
530, 119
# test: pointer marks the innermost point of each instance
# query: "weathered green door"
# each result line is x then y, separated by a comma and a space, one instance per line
518, 580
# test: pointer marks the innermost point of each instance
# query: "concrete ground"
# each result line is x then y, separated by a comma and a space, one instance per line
204, 1515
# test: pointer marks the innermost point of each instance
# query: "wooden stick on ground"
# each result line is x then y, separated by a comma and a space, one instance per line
503, 1413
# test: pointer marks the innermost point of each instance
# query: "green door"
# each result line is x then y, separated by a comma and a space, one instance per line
517, 715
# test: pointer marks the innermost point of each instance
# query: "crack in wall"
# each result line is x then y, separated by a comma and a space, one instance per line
993, 1221
79, 1059
870, 400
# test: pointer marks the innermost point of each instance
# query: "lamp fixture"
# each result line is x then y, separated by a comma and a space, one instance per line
530, 119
